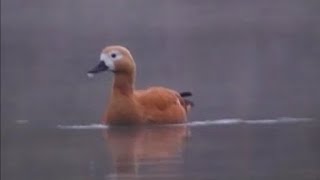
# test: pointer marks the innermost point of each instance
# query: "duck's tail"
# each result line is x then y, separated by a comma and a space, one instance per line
185, 94
188, 104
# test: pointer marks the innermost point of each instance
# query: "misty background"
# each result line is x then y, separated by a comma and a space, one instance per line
246, 59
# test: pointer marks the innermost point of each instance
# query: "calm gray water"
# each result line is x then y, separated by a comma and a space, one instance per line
279, 150
250, 59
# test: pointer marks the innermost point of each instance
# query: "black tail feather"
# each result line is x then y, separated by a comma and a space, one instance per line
185, 94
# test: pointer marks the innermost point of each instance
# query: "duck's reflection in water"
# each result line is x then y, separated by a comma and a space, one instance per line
146, 152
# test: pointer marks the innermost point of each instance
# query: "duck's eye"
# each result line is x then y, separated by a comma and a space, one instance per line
113, 55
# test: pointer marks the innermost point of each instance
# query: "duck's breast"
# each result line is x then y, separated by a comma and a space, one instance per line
123, 110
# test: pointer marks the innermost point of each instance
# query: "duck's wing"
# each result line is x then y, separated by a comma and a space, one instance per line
158, 98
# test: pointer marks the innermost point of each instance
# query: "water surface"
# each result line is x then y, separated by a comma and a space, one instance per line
221, 149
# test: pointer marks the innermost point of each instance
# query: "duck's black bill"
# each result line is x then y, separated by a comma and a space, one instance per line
99, 68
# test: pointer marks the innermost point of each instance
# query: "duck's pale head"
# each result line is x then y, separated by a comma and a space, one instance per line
116, 59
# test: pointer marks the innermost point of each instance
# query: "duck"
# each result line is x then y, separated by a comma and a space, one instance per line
129, 106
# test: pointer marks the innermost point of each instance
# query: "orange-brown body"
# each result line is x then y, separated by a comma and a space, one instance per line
127, 106
155, 105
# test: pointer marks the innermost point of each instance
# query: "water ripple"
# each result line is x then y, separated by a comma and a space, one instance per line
229, 121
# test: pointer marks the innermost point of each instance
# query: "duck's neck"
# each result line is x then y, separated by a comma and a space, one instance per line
123, 83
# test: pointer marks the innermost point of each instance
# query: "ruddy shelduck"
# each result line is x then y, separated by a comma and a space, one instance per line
127, 106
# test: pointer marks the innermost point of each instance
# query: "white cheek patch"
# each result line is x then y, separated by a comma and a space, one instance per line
107, 61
